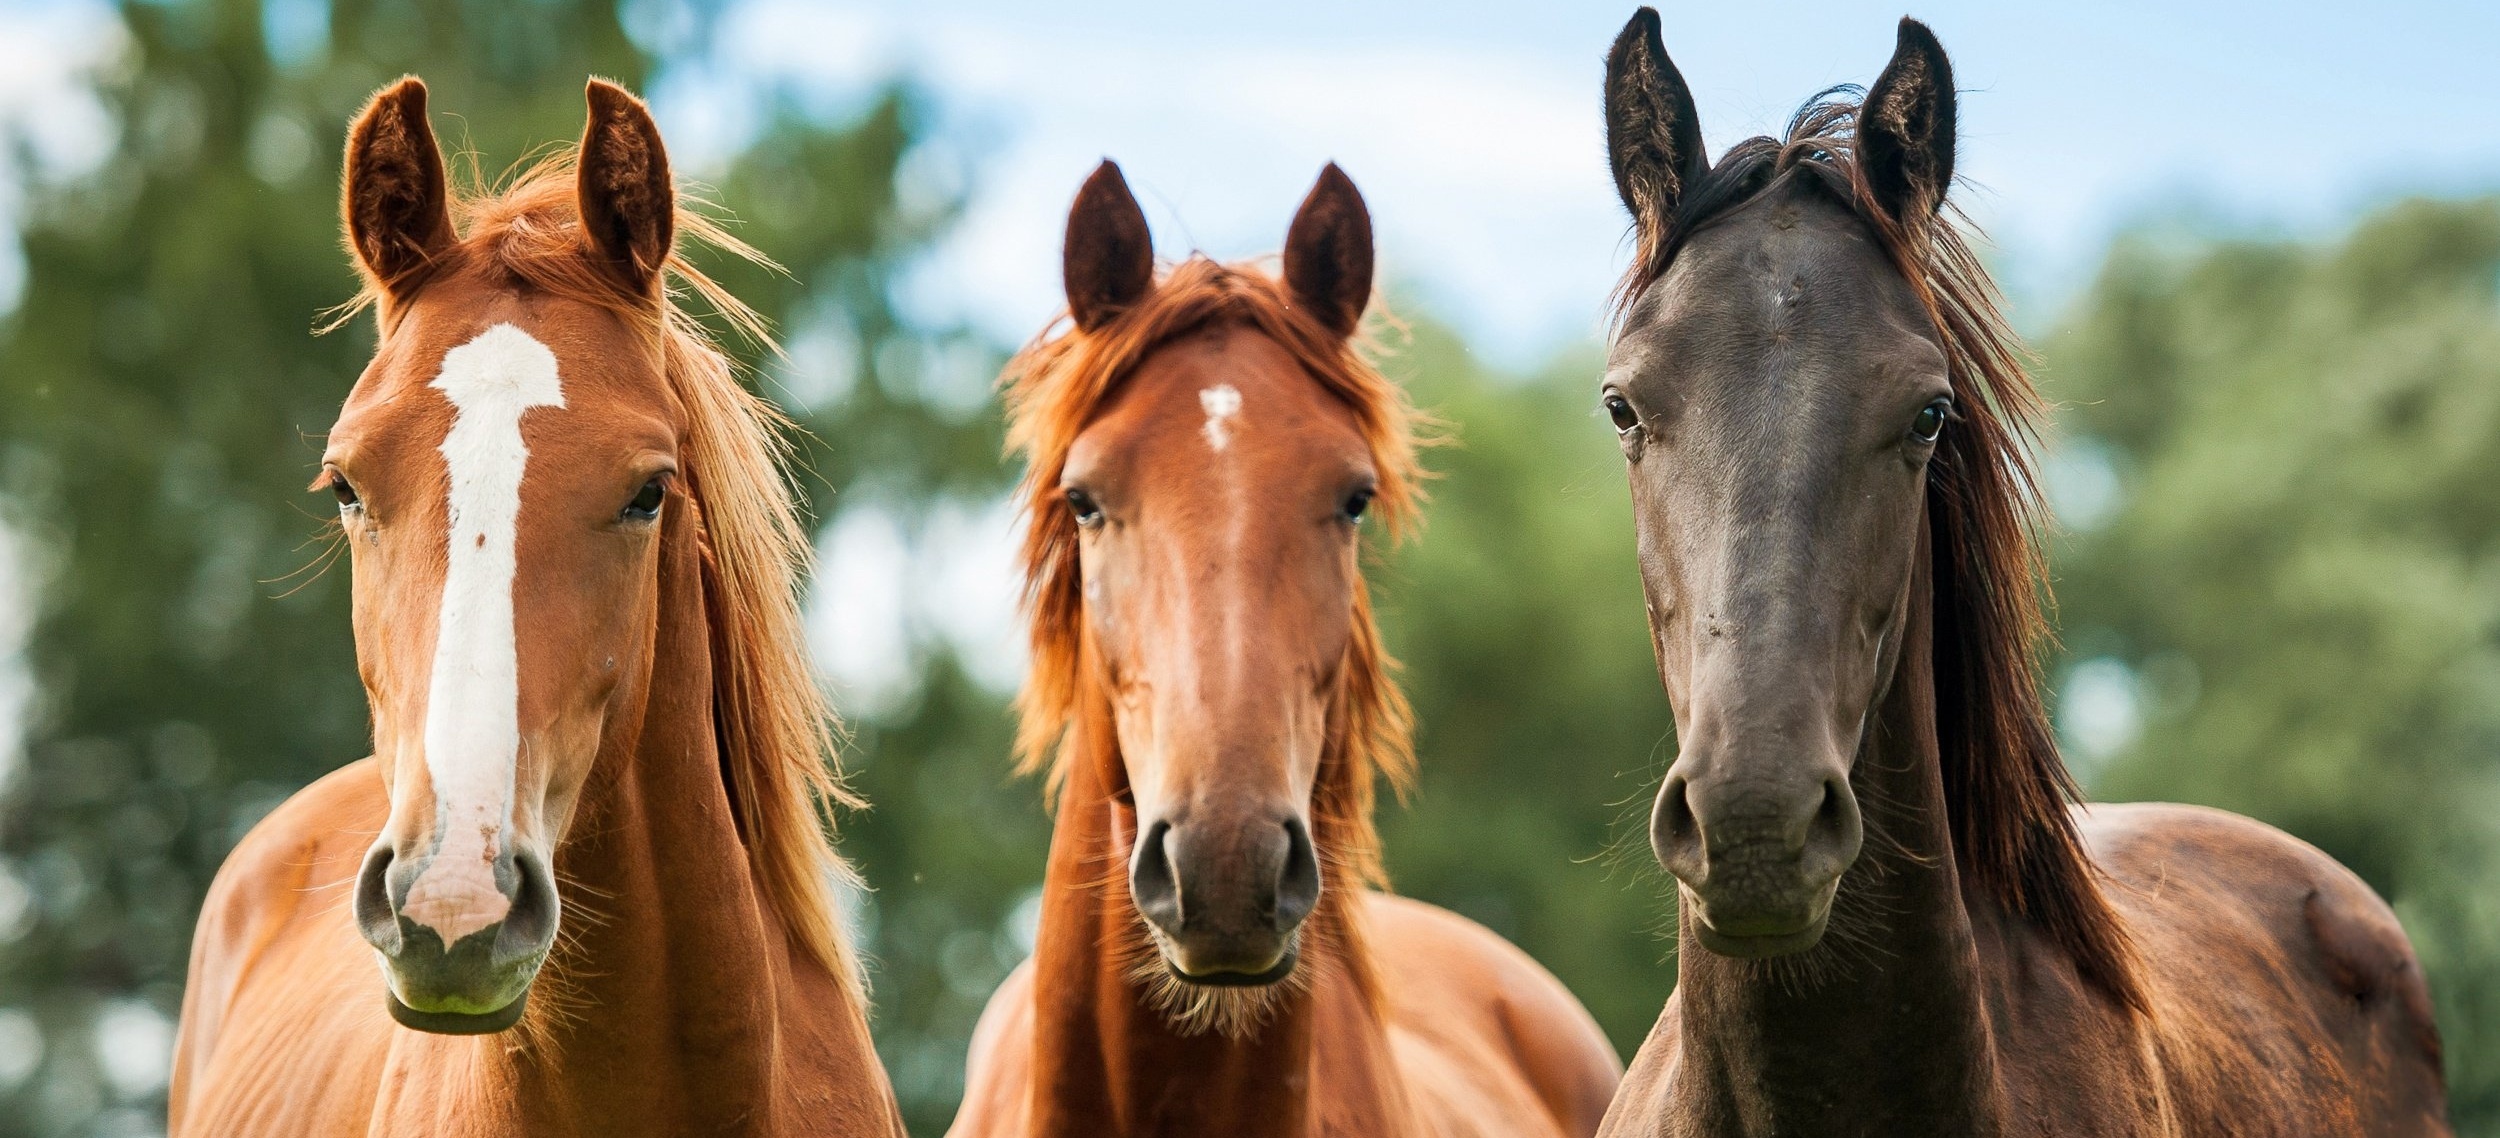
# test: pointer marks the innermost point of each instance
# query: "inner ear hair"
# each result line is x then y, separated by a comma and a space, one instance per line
1328, 253
1906, 128
1108, 260
1653, 131
396, 204
627, 199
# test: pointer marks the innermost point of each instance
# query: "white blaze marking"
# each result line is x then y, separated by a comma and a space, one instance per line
472, 709
1221, 402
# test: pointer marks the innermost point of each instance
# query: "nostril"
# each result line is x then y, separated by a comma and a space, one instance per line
1678, 813
1836, 828
529, 926
1674, 833
1298, 885
1152, 884
375, 910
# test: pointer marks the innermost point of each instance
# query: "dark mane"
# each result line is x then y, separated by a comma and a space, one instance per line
2006, 787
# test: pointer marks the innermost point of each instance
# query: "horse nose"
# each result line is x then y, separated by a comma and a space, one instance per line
1692, 821
457, 964
1226, 899
1760, 850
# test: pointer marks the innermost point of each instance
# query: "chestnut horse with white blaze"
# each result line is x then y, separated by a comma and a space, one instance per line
1896, 919
587, 853
1215, 958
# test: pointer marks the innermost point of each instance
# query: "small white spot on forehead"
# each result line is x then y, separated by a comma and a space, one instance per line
472, 710
1221, 403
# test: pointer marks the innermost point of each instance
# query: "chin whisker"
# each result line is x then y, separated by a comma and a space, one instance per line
1196, 1009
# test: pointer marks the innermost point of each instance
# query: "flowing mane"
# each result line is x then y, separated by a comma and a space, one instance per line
774, 727
2006, 787
1057, 384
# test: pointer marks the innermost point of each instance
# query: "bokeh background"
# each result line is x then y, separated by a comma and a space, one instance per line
2256, 246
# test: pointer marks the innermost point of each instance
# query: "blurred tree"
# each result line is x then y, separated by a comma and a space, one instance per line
165, 396
1541, 727
2280, 584
2282, 593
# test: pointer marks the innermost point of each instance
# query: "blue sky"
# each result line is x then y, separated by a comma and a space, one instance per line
1474, 128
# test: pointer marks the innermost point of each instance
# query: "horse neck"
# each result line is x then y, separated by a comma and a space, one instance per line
1881, 1028
1106, 1062
666, 999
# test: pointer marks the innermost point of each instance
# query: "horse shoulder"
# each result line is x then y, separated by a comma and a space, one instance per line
2282, 983
998, 1070
1476, 1021
266, 915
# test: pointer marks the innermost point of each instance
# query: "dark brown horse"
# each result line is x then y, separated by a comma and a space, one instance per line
1204, 453
1894, 920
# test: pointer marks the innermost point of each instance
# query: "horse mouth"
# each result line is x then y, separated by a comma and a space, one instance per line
1226, 979
1753, 931
1755, 946
1229, 973
458, 1023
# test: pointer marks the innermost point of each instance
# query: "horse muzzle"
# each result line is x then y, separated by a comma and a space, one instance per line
1225, 903
458, 955
1757, 861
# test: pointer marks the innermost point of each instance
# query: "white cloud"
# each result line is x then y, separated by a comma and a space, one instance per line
1485, 170
46, 108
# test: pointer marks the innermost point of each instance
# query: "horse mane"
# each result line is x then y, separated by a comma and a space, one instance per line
1057, 384
772, 723
2007, 789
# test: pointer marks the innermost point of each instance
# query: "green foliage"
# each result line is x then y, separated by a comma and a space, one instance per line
1542, 731
2303, 573
165, 396
2300, 581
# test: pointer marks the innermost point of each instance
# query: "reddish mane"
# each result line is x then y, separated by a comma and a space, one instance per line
1056, 385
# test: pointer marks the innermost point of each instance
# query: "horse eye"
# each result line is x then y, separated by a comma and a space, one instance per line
1356, 503
1082, 505
1620, 410
646, 503
345, 493
1931, 420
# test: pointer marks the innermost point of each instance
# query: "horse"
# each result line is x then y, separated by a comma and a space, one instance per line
588, 852
1217, 954
1896, 916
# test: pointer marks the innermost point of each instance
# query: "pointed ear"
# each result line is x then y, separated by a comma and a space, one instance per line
396, 205
1328, 253
1905, 128
627, 202
1108, 262
1653, 134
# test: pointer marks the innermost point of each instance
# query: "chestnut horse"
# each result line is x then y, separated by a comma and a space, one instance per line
1203, 453
598, 746
1894, 921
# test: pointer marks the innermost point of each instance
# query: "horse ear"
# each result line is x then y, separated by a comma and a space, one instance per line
396, 205
1905, 129
628, 202
1108, 262
1328, 253
1653, 132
